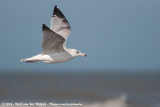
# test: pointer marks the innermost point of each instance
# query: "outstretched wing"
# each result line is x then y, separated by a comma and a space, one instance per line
59, 23
52, 42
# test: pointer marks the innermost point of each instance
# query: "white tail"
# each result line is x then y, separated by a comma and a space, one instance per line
28, 60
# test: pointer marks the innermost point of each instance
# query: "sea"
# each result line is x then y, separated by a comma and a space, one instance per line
80, 88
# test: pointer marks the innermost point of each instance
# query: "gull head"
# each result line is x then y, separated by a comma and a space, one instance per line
75, 53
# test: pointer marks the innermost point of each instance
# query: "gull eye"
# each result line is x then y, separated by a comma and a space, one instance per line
77, 52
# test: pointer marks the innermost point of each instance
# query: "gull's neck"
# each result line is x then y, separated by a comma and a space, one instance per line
68, 50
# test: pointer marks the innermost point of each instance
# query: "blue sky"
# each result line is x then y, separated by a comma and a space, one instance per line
115, 34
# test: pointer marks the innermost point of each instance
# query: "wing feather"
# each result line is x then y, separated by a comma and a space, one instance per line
59, 23
52, 42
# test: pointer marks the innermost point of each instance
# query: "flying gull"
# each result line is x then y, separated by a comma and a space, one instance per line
54, 40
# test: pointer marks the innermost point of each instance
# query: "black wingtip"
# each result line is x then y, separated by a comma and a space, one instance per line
55, 7
57, 12
44, 26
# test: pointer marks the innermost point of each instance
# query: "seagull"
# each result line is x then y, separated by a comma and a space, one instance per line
54, 39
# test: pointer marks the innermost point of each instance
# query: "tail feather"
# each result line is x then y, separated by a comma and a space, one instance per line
28, 60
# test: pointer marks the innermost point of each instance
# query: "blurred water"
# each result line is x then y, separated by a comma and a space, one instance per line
92, 89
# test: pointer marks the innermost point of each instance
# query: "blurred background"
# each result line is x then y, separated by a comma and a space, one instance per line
120, 38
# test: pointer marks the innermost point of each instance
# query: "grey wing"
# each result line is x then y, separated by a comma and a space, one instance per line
59, 23
52, 42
